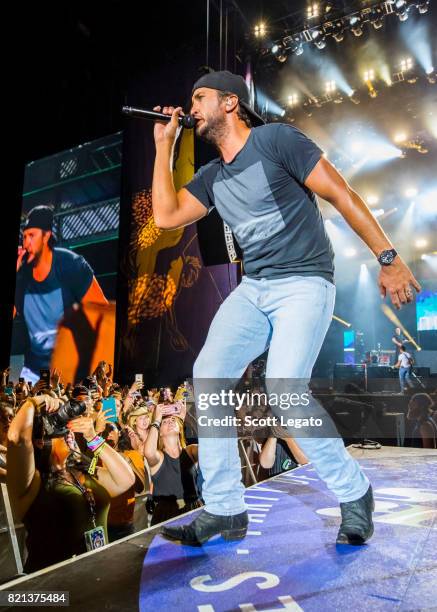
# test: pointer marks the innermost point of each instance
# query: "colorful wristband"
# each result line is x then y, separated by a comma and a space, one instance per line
95, 443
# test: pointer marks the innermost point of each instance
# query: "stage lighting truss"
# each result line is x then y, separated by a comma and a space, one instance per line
318, 33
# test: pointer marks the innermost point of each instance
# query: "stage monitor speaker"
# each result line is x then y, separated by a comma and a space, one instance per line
382, 378
216, 241
345, 373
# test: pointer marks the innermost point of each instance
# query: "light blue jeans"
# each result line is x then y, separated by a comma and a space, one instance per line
405, 378
290, 316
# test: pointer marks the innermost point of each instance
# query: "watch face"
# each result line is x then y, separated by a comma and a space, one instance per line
386, 257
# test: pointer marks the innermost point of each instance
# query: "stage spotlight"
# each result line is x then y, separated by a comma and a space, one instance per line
333, 74
355, 25
422, 7
369, 75
350, 252
313, 10
338, 31
400, 137
372, 200
421, 243
298, 50
377, 18
402, 11
260, 30
418, 39
279, 53
293, 99
411, 192
354, 97
296, 46
431, 76
406, 64
330, 86
342, 321
320, 43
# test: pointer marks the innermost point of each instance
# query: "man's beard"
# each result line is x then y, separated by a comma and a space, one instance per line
214, 130
36, 259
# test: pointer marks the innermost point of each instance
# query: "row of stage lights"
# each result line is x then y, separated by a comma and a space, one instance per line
355, 22
404, 72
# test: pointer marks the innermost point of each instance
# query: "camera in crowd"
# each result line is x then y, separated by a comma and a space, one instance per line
54, 424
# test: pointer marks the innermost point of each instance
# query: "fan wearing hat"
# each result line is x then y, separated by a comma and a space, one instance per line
49, 280
264, 184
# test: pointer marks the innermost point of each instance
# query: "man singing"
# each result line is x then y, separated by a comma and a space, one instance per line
263, 185
49, 280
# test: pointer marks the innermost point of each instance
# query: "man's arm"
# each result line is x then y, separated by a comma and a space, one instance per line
395, 279
268, 453
170, 209
94, 294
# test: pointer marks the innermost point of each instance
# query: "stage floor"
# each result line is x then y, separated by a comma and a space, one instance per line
288, 561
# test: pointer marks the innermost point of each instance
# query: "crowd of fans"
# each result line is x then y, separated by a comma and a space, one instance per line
82, 462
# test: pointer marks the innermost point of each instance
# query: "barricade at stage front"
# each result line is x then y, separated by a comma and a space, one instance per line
288, 560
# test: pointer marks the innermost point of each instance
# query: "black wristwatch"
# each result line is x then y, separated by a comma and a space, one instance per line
387, 257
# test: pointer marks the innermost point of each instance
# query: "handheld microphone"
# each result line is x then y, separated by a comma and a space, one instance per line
187, 121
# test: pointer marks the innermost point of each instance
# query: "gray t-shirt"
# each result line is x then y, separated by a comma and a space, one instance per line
261, 195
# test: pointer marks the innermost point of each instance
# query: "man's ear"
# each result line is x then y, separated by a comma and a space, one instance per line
46, 236
231, 103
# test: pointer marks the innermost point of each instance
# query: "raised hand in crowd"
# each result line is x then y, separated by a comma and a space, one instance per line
40, 386
101, 420
134, 438
55, 378
133, 393
5, 376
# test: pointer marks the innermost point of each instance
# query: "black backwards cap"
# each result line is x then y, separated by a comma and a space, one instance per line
223, 80
40, 217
